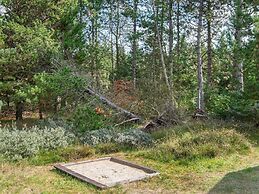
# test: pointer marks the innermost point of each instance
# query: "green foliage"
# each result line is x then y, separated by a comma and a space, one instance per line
27, 50
86, 119
17, 144
27, 12
28, 44
28, 47
232, 105
48, 86
219, 104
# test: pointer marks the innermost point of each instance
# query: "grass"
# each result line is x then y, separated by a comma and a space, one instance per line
195, 144
229, 173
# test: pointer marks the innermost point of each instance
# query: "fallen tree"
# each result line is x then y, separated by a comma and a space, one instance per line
107, 102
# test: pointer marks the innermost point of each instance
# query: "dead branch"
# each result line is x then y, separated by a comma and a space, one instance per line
127, 121
112, 105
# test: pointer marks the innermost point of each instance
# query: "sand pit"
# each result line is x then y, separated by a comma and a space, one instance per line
107, 172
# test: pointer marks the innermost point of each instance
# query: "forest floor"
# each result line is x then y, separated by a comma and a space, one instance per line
228, 174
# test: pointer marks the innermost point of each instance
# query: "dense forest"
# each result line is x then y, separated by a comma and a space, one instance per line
201, 55
173, 84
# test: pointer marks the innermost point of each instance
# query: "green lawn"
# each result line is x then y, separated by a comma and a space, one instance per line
233, 174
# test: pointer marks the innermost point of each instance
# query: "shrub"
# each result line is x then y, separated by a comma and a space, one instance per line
86, 119
17, 144
98, 136
130, 138
133, 138
198, 144
232, 105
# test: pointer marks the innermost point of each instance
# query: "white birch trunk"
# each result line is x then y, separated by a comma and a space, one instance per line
200, 100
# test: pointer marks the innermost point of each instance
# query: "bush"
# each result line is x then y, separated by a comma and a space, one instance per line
98, 137
133, 138
86, 119
232, 105
198, 144
130, 138
17, 144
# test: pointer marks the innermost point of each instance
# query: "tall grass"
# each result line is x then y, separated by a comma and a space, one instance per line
197, 141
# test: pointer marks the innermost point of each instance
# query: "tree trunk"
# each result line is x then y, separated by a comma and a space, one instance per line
161, 51
19, 110
134, 45
92, 52
40, 110
112, 105
96, 45
160, 47
199, 60
111, 39
117, 34
238, 64
209, 49
178, 31
170, 37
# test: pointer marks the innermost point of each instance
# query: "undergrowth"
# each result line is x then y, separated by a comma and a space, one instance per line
195, 142
186, 142
16, 144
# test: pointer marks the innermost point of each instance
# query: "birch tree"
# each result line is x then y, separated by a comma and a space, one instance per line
134, 43
200, 101
238, 63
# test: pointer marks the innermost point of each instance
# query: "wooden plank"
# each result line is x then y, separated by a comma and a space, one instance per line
79, 176
124, 162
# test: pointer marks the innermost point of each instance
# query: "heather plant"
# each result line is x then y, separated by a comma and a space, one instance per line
200, 144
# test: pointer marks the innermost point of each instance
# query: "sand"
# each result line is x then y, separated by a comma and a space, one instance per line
108, 172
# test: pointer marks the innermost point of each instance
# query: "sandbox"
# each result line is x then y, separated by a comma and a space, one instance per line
107, 172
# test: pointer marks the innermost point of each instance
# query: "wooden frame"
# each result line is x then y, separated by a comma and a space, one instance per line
149, 172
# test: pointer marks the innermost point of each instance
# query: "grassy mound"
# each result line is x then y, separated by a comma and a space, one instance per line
200, 144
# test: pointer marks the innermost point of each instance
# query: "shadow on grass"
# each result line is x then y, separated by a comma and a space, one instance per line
243, 181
